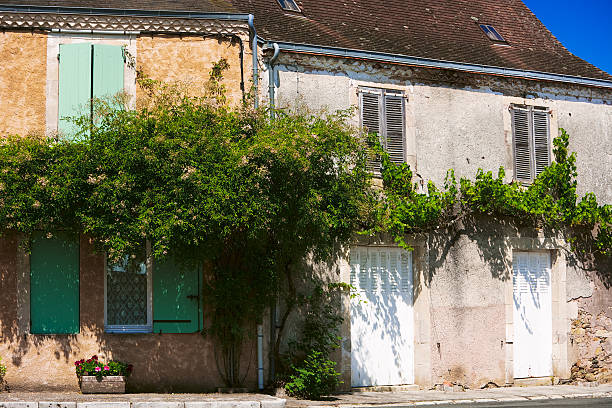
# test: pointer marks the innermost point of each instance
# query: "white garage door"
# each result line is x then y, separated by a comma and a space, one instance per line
382, 320
532, 314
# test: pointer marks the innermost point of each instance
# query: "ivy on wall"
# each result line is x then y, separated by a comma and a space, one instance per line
550, 201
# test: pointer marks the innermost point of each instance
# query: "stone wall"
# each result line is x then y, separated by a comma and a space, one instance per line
189, 60
22, 82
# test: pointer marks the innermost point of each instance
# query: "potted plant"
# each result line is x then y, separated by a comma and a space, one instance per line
97, 377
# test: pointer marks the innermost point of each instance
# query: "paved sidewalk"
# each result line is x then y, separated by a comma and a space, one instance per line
78, 400
416, 398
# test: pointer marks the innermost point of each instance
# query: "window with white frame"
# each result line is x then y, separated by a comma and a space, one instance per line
531, 141
128, 290
382, 111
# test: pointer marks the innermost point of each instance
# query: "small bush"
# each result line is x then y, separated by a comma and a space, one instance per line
2, 373
315, 378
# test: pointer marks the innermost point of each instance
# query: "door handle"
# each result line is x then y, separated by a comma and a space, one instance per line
193, 297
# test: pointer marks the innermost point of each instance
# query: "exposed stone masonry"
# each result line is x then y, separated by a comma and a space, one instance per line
592, 335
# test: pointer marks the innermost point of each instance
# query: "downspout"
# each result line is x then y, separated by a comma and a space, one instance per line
272, 77
254, 49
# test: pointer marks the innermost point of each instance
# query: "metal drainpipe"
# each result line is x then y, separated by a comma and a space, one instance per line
272, 77
254, 49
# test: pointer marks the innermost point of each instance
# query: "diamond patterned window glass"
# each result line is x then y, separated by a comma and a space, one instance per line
126, 292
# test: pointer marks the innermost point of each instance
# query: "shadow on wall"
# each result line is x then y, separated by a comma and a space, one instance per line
162, 362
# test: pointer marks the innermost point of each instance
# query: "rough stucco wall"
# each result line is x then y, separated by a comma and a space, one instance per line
22, 82
162, 362
467, 311
460, 120
189, 59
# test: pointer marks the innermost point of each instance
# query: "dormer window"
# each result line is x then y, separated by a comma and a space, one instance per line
492, 33
289, 5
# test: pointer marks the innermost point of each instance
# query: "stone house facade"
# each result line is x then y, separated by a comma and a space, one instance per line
61, 301
463, 86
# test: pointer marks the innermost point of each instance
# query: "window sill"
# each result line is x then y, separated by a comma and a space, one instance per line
128, 329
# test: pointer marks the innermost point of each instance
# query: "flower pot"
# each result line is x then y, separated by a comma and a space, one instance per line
112, 384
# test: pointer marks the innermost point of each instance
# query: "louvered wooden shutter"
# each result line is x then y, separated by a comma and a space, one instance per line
540, 141
394, 127
522, 150
370, 119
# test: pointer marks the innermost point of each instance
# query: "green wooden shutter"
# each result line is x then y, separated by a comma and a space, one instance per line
74, 84
108, 70
176, 297
54, 284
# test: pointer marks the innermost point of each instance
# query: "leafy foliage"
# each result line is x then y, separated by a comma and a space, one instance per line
317, 377
2, 371
551, 201
199, 181
92, 366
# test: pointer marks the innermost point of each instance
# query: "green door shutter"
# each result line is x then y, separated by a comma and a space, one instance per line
108, 70
54, 284
176, 297
74, 84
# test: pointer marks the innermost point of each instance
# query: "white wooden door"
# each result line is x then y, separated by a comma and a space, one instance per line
532, 314
382, 345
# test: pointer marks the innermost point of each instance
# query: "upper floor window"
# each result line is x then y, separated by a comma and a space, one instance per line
86, 71
382, 111
531, 141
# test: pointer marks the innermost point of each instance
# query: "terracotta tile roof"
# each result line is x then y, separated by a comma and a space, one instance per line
444, 30
437, 29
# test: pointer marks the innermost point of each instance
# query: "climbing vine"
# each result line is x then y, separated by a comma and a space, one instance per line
550, 201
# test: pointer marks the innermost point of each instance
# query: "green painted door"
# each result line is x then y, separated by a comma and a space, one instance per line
107, 70
176, 297
54, 284
74, 85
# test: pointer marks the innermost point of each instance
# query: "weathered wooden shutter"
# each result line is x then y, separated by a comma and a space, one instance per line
522, 150
541, 129
108, 70
394, 127
176, 297
74, 84
370, 119
54, 284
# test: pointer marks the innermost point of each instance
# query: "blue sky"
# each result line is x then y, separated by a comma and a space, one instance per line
583, 26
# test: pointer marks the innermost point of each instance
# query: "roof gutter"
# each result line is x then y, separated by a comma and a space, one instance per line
123, 12
431, 63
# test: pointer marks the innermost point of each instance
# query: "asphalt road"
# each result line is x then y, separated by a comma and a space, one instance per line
567, 403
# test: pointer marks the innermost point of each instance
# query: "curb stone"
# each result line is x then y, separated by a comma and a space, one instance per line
105, 404
47, 404
18, 404
158, 404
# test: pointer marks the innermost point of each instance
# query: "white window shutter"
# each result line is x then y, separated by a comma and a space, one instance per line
394, 121
541, 131
522, 150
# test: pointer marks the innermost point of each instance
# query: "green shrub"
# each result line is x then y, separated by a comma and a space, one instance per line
315, 377
2, 371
